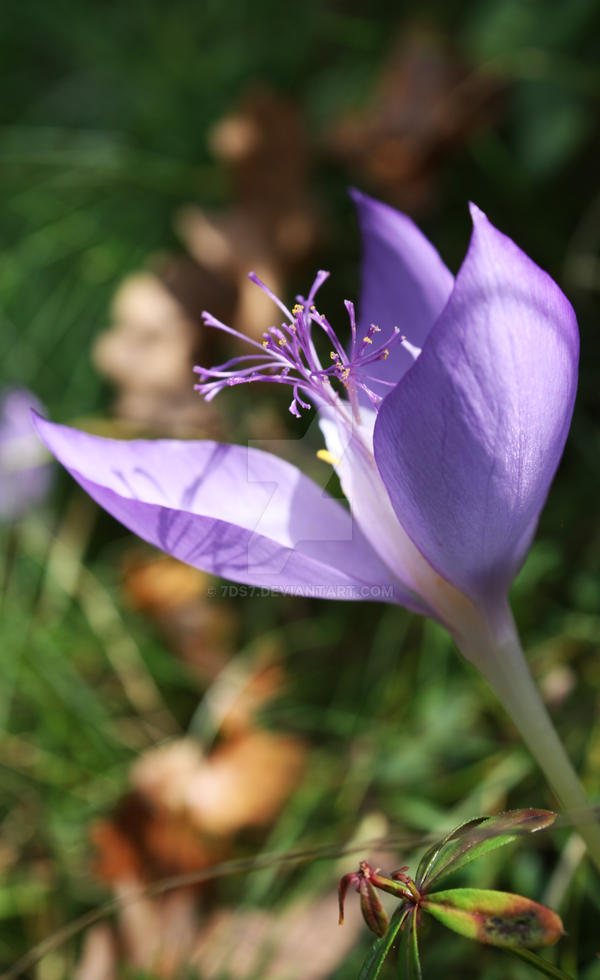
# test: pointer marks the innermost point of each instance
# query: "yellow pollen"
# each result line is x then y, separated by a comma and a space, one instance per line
313, 308
376, 329
333, 355
385, 354
282, 341
328, 457
367, 340
265, 344
298, 308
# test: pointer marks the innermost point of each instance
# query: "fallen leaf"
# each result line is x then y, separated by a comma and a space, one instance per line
156, 584
243, 783
98, 959
302, 942
148, 355
197, 629
426, 104
272, 223
158, 934
148, 837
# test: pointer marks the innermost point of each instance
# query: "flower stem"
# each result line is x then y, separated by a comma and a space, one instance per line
494, 648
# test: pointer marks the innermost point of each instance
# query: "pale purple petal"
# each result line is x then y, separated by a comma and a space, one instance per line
230, 510
25, 471
351, 448
469, 441
404, 282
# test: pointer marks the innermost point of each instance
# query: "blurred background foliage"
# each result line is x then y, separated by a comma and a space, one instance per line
150, 156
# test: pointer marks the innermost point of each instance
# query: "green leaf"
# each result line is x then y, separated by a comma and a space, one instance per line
542, 966
371, 967
409, 961
495, 918
475, 838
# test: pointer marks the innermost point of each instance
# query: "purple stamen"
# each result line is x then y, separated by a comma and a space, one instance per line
411, 348
287, 355
320, 278
255, 279
352, 317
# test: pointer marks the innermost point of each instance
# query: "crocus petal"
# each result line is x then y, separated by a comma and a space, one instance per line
351, 448
25, 471
404, 282
236, 512
469, 441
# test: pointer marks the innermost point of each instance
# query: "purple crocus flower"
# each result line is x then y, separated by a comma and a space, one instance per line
445, 419
25, 471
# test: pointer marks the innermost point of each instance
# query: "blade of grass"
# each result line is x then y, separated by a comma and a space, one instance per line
542, 966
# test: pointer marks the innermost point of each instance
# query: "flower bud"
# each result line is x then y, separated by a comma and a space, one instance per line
373, 911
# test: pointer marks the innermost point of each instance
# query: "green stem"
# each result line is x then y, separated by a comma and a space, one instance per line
542, 966
493, 647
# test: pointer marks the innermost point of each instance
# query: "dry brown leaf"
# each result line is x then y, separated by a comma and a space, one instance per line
197, 629
304, 942
183, 810
265, 147
150, 837
246, 782
158, 934
163, 935
197, 287
272, 224
148, 355
99, 955
232, 943
202, 634
150, 342
311, 937
156, 584
154, 934
243, 783
425, 105
262, 681
118, 855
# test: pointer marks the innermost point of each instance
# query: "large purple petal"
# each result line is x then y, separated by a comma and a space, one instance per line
230, 510
404, 282
351, 448
469, 441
